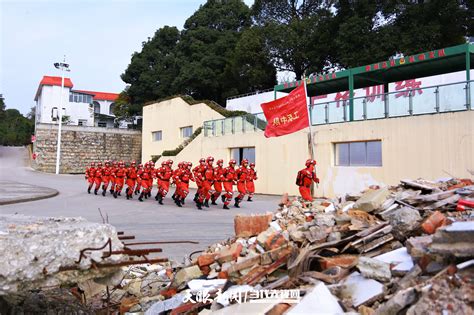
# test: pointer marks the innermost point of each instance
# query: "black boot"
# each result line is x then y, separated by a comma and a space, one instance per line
103, 192
196, 196
141, 197
178, 202
120, 193
115, 195
95, 191
206, 203
225, 207
213, 200
237, 201
128, 197
156, 197
160, 199
198, 205
89, 190
126, 190
111, 191
249, 199
223, 198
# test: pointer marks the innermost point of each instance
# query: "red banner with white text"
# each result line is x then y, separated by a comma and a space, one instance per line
287, 114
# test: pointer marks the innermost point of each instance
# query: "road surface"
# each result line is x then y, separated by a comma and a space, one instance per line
147, 220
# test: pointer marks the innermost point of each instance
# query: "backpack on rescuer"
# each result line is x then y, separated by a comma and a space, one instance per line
299, 178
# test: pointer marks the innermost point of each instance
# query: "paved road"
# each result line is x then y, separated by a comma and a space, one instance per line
147, 221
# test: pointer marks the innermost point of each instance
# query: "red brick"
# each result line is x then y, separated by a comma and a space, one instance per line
433, 222
206, 260
344, 261
246, 226
229, 254
223, 275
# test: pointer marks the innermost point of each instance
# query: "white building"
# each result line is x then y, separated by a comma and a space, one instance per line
79, 107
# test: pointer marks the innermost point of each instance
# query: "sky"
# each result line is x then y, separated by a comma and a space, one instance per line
98, 39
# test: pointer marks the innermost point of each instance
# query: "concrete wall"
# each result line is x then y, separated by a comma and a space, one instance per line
82, 145
169, 116
428, 146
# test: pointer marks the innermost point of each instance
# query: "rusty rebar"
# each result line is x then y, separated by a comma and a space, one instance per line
163, 242
136, 252
81, 255
126, 237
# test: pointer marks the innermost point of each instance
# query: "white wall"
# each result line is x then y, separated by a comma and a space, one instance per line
251, 103
50, 97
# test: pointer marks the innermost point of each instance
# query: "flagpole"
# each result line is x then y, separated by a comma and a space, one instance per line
311, 151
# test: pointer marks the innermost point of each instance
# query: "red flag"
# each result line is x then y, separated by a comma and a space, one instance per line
287, 114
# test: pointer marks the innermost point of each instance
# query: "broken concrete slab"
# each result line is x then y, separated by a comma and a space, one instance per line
186, 274
454, 240
35, 250
374, 269
398, 258
360, 290
318, 301
404, 221
372, 199
398, 302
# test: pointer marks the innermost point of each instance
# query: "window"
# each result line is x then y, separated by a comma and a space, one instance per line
239, 154
96, 108
82, 122
186, 132
363, 153
111, 109
156, 135
102, 124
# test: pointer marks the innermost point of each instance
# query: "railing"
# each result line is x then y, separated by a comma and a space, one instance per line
232, 125
418, 101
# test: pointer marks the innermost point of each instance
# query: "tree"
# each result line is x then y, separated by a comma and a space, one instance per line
207, 46
15, 129
298, 34
368, 32
152, 71
250, 68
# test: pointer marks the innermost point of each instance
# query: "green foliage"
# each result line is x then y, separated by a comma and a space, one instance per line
15, 129
209, 59
182, 145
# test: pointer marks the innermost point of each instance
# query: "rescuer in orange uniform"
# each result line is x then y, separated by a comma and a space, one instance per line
90, 174
305, 178
249, 185
139, 180
157, 175
198, 173
131, 179
98, 177
241, 174
164, 176
145, 177
228, 182
206, 186
218, 179
119, 178
106, 174
185, 175
175, 177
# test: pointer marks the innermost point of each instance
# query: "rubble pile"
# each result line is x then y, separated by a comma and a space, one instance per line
405, 248
387, 250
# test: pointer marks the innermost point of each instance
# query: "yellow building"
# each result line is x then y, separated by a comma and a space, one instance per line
377, 139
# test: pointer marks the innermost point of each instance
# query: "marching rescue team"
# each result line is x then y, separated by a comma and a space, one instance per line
212, 181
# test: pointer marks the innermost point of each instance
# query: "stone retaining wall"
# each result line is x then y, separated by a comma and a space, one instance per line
82, 145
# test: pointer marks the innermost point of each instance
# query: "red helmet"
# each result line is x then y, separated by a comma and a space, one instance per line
92, 163
99, 164
244, 161
310, 162
140, 165
232, 162
114, 163
210, 159
134, 163
220, 162
202, 160
190, 164
252, 164
170, 162
163, 163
